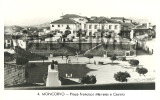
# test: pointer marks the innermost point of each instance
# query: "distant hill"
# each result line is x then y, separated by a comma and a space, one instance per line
11, 29
47, 24
16, 28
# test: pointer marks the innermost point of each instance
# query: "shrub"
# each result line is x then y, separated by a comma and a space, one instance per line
113, 57
100, 63
122, 58
134, 62
89, 56
88, 79
21, 61
121, 76
141, 70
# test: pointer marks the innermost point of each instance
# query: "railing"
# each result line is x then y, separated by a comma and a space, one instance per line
115, 86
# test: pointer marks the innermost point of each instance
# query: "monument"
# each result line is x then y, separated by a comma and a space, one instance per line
53, 78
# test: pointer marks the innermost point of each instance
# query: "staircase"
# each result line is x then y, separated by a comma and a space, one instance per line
92, 48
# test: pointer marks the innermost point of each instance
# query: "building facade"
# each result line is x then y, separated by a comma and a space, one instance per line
102, 24
89, 27
68, 23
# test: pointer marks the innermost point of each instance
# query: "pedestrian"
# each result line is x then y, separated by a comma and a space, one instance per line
94, 62
69, 60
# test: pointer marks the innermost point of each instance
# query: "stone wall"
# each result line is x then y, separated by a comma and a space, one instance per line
58, 49
13, 74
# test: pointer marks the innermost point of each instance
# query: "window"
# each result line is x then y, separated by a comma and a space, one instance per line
84, 26
80, 19
116, 26
58, 25
8, 41
67, 27
90, 26
90, 33
52, 25
110, 26
102, 26
95, 27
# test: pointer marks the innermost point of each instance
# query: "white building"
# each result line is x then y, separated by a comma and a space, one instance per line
70, 23
102, 23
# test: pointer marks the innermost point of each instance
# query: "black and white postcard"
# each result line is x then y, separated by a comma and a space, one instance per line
58, 49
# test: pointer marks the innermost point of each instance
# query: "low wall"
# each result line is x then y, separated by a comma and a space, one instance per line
13, 74
144, 46
118, 86
58, 49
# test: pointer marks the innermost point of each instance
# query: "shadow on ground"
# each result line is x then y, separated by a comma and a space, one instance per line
37, 72
141, 52
113, 63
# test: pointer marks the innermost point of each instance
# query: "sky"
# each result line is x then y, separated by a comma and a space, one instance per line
32, 12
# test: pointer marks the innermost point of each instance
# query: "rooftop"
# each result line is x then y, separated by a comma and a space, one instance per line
141, 27
70, 16
117, 18
122, 18
64, 21
128, 24
102, 20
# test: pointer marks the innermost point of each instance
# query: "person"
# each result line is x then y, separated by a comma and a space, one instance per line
62, 56
94, 62
66, 58
69, 60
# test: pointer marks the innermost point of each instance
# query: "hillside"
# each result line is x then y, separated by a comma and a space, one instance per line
14, 28
47, 24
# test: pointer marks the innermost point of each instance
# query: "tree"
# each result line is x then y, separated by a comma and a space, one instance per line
88, 79
21, 61
24, 31
112, 58
89, 56
121, 76
134, 63
141, 70
79, 33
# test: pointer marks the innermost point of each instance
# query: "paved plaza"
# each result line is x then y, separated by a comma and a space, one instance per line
104, 73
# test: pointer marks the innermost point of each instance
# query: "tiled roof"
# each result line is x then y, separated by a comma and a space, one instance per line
64, 21
117, 18
141, 27
128, 24
102, 20
122, 18
70, 16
